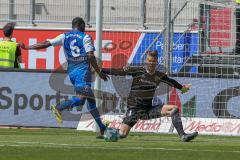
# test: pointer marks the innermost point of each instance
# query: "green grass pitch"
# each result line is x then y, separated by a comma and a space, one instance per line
69, 144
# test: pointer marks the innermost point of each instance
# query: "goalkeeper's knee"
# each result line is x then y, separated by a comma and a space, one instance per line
122, 135
174, 110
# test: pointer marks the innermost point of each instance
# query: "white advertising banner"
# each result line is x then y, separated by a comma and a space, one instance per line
210, 126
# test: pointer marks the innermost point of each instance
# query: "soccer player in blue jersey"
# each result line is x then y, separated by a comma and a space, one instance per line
79, 52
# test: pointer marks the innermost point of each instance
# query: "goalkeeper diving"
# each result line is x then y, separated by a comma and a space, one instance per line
146, 79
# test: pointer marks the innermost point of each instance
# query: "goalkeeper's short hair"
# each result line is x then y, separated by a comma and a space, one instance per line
153, 53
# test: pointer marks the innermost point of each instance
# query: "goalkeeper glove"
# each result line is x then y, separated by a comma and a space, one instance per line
184, 89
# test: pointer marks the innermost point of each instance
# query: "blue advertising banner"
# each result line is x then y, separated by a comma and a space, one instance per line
185, 45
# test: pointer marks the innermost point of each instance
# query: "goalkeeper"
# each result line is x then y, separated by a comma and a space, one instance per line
145, 82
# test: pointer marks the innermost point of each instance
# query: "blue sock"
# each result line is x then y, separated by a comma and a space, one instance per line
94, 112
75, 101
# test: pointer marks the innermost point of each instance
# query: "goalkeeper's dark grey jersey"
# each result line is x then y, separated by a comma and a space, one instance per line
144, 84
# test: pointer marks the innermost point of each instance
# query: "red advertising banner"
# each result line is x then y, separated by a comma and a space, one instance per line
117, 47
220, 27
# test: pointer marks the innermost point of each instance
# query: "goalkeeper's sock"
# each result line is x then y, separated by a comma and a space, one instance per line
177, 122
95, 113
66, 104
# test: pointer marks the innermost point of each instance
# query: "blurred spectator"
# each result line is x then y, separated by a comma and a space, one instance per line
10, 52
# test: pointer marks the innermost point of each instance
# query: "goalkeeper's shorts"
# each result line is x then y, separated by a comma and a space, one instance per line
134, 114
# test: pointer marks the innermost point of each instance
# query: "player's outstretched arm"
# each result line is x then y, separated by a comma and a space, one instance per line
40, 45
171, 82
175, 84
113, 71
94, 64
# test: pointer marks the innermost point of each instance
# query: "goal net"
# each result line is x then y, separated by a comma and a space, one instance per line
202, 52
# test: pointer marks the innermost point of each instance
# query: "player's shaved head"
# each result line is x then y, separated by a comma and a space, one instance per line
8, 29
78, 23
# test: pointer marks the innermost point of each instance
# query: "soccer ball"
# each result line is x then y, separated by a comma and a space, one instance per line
111, 135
